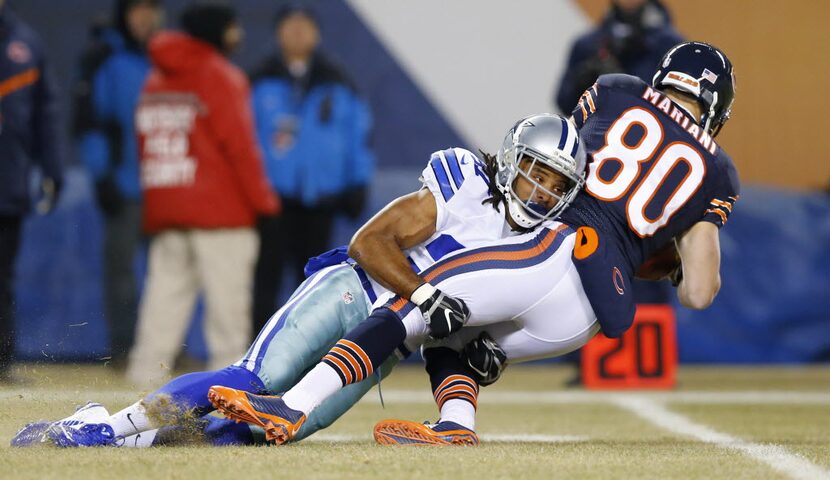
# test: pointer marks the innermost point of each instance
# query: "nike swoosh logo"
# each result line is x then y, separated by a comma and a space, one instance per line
449, 320
130, 419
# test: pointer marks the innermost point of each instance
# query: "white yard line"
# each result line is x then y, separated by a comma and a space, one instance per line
492, 397
514, 438
790, 464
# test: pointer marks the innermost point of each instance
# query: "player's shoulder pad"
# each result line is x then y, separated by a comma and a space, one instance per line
456, 172
621, 81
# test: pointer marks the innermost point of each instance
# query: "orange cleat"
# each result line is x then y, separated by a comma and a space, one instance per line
279, 421
403, 432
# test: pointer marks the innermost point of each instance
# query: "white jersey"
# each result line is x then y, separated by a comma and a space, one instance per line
456, 179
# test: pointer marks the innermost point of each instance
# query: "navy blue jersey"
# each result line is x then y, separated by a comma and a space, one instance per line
653, 172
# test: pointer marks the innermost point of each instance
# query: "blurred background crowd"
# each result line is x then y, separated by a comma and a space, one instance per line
141, 228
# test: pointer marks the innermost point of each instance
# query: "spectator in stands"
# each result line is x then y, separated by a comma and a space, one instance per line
204, 186
313, 129
112, 71
29, 133
632, 39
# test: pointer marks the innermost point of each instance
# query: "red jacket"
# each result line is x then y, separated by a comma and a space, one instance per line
200, 163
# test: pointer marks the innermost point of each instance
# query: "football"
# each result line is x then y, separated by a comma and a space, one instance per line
661, 264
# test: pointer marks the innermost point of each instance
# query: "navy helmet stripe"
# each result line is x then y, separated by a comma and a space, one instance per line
563, 139
576, 144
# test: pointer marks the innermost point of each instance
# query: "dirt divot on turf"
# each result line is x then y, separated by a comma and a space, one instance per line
178, 425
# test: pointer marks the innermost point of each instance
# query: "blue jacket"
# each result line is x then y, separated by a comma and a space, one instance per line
112, 74
656, 37
313, 132
29, 127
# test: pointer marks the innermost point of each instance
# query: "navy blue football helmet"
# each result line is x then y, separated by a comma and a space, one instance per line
703, 72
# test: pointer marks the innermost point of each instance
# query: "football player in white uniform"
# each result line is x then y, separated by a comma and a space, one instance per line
482, 214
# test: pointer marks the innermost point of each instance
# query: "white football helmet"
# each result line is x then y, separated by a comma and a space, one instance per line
552, 141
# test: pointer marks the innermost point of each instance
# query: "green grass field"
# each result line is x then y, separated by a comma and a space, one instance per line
719, 423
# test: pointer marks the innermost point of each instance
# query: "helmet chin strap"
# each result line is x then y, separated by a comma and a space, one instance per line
517, 213
710, 117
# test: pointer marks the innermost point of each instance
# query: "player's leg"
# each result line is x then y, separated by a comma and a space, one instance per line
336, 405
165, 308
225, 262
561, 322
323, 307
328, 305
347, 363
456, 394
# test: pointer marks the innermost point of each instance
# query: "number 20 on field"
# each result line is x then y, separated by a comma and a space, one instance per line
644, 357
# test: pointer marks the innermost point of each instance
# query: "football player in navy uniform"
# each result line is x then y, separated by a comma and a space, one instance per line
656, 176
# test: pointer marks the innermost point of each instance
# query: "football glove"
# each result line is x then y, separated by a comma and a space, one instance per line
443, 314
485, 358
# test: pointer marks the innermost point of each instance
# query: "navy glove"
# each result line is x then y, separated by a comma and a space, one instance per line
486, 359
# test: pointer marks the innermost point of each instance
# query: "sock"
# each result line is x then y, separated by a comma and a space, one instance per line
455, 391
318, 384
131, 420
141, 440
459, 411
351, 360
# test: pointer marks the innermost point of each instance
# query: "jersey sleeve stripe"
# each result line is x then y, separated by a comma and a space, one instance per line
590, 100
584, 112
718, 203
720, 213
455, 168
443, 179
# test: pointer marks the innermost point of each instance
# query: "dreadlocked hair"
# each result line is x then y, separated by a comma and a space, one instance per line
491, 168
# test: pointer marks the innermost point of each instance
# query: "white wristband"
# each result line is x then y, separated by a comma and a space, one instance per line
422, 294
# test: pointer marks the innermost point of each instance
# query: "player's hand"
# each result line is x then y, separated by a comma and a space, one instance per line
485, 358
443, 314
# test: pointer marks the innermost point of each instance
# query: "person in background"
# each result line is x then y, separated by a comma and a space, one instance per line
632, 39
313, 129
29, 133
204, 186
112, 72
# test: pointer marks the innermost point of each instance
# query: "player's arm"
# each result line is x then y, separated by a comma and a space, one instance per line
699, 250
378, 245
